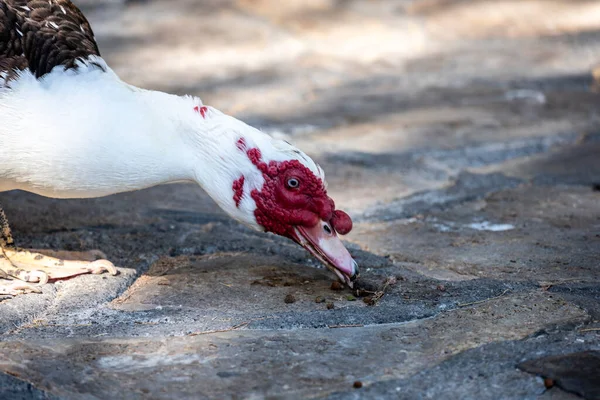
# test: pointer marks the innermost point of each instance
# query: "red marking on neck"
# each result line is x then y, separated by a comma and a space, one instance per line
238, 190
202, 110
255, 157
241, 144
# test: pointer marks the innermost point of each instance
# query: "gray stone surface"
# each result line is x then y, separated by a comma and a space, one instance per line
462, 137
575, 372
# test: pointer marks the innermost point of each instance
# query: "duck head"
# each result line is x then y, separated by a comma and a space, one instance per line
272, 186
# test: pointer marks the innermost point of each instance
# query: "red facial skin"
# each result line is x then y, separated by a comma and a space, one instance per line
280, 207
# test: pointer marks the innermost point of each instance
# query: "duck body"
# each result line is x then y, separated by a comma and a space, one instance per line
88, 134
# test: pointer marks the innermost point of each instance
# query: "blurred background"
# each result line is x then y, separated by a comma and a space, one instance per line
370, 87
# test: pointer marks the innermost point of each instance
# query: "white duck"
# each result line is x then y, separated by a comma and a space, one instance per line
70, 128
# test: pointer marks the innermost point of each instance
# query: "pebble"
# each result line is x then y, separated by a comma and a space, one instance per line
289, 299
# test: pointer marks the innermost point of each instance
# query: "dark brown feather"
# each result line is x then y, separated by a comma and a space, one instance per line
41, 34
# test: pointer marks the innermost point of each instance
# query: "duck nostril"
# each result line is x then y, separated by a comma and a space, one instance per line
327, 229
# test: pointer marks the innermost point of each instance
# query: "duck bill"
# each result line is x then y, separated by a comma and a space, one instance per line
329, 249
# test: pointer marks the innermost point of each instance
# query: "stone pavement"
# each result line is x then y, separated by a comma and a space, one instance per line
461, 135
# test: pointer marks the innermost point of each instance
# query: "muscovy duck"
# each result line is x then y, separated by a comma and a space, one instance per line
70, 128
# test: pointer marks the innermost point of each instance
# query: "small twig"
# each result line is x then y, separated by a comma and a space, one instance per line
345, 326
233, 328
485, 300
590, 330
360, 292
390, 281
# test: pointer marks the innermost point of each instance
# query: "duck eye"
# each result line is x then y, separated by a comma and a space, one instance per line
327, 229
293, 183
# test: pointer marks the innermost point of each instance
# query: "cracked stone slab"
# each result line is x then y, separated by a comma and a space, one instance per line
468, 186
575, 372
486, 372
538, 233
15, 389
306, 362
79, 295
195, 293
